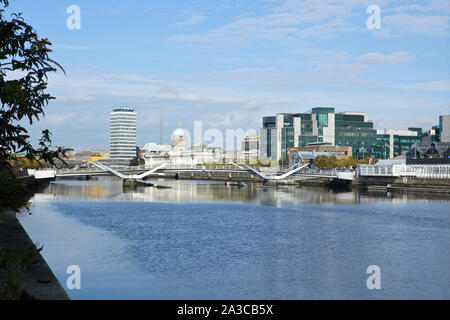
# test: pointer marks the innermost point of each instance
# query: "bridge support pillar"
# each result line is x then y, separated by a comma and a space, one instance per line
130, 183
270, 183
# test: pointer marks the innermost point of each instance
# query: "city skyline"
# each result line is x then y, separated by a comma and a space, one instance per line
231, 63
221, 138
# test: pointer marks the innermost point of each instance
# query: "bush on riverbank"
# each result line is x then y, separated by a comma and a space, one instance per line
12, 268
14, 195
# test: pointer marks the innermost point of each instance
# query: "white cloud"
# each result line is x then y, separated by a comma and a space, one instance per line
442, 86
192, 20
290, 19
426, 25
379, 58
233, 119
60, 118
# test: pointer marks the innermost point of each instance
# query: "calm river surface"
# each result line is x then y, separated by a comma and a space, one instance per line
202, 240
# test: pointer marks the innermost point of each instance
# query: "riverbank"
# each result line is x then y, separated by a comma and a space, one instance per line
405, 184
38, 281
30, 276
441, 186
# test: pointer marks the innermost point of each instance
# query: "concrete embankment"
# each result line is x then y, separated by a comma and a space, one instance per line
214, 176
37, 279
405, 184
326, 183
38, 282
397, 184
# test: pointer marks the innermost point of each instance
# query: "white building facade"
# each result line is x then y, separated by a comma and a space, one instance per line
250, 147
122, 135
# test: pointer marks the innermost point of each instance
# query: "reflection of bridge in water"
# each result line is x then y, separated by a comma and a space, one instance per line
228, 172
107, 188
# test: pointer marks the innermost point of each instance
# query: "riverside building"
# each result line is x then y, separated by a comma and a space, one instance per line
323, 125
444, 128
122, 136
250, 147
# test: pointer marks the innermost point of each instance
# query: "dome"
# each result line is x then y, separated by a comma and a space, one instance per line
178, 132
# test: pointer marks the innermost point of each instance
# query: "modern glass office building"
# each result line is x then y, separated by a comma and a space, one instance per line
122, 135
322, 125
444, 128
278, 135
393, 143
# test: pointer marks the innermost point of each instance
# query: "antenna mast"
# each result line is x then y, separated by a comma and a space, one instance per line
160, 126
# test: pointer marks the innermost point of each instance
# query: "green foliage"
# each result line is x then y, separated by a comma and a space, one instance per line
330, 163
346, 163
365, 161
325, 162
13, 194
25, 62
261, 164
27, 163
12, 267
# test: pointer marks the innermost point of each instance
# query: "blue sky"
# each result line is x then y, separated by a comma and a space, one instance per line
230, 62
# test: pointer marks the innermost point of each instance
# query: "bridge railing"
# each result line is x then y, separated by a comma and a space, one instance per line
414, 171
374, 171
128, 168
80, 170
322, 172
426, 171
199, 167
93, 170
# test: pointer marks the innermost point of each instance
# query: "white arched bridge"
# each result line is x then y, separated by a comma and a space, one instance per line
138, 174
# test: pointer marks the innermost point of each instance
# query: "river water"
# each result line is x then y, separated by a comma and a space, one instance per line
202, 240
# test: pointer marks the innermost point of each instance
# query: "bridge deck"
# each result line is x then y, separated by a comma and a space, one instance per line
300, 173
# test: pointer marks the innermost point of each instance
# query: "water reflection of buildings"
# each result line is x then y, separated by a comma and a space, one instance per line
189, 191
102, 188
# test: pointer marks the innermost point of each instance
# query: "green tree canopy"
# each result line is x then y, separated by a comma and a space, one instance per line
331, 162
24, 68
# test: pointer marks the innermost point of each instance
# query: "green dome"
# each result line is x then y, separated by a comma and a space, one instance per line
178, 132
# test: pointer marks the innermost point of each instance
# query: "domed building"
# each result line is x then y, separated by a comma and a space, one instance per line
178, 153
179, 140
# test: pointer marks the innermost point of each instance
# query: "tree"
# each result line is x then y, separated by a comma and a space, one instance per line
24, 68
364, 161
321, 161
330, 162
26, 163
346, 163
